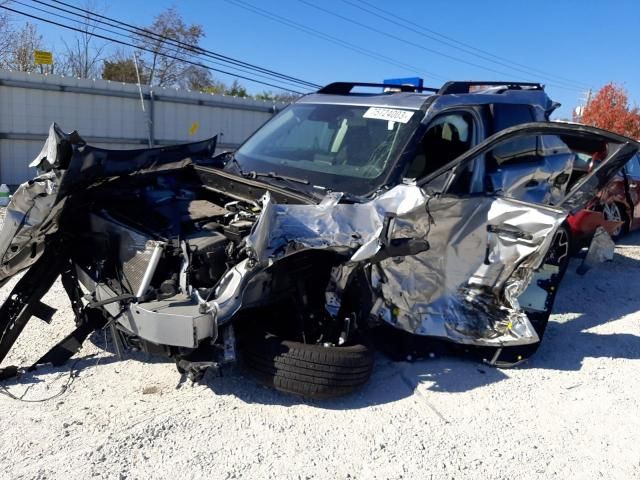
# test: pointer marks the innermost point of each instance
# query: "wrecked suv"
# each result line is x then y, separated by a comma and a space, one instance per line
349, 217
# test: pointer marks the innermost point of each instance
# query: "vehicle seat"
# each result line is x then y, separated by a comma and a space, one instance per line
357, 146
436, 151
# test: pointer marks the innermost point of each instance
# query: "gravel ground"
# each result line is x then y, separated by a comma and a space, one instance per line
572, 411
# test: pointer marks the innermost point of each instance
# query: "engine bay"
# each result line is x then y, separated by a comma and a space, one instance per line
200, 234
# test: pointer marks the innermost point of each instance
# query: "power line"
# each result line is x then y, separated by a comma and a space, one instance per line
35, 17
156, 36
329, 38
192, 49
175, 50
449, 41
409, 42
423, 28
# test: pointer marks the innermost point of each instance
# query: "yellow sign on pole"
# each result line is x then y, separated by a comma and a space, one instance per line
42, 57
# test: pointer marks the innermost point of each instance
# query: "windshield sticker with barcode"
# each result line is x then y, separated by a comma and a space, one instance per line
391, 114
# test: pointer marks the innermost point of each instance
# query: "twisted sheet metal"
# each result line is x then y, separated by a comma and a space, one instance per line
483, 253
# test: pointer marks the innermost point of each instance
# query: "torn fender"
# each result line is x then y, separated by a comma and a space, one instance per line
282, 229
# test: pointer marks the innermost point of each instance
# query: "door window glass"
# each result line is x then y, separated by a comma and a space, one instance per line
633, 167
520, 150
447, 137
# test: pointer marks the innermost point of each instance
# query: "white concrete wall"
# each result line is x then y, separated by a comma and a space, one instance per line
109, 114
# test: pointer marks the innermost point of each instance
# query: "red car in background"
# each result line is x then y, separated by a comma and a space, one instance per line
616, 207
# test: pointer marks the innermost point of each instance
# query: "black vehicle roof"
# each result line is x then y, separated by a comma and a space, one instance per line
421, 100
413, 101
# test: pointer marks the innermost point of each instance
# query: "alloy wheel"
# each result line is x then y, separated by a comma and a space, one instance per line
611, 212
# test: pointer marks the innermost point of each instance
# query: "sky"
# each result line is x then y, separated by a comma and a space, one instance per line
569, 45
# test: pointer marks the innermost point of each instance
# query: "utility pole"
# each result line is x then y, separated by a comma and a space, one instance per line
585, 100
148, 116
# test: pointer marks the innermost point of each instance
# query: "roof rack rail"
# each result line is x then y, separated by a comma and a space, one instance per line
344, 88
464, 87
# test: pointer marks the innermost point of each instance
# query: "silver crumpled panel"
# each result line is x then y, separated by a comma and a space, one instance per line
55, 149
483, 253
282, 229
29, 218
465, 287
34, 208
542, 181
68, 165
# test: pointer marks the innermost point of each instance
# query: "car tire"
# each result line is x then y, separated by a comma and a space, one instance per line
614, 211
312, 371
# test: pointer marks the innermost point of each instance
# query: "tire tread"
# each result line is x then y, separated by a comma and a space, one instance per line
312, 371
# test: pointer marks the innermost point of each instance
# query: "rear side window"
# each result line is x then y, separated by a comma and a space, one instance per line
507, 115
517, 151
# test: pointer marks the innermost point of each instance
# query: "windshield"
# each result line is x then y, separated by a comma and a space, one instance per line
339, 147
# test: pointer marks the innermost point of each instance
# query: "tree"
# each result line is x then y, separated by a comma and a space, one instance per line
609, 109
285, 97
265, 95
236, 89
217, 87
166, 62
121, 70
121, 67
21, 49
83, 54
6, 34
198, 79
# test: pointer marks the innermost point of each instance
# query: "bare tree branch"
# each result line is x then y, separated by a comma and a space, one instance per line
20, 51
6, 34
165, 71
83, 56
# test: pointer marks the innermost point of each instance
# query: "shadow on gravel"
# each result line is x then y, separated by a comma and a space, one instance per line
391, 381
605, 294
77, 366
74, 367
